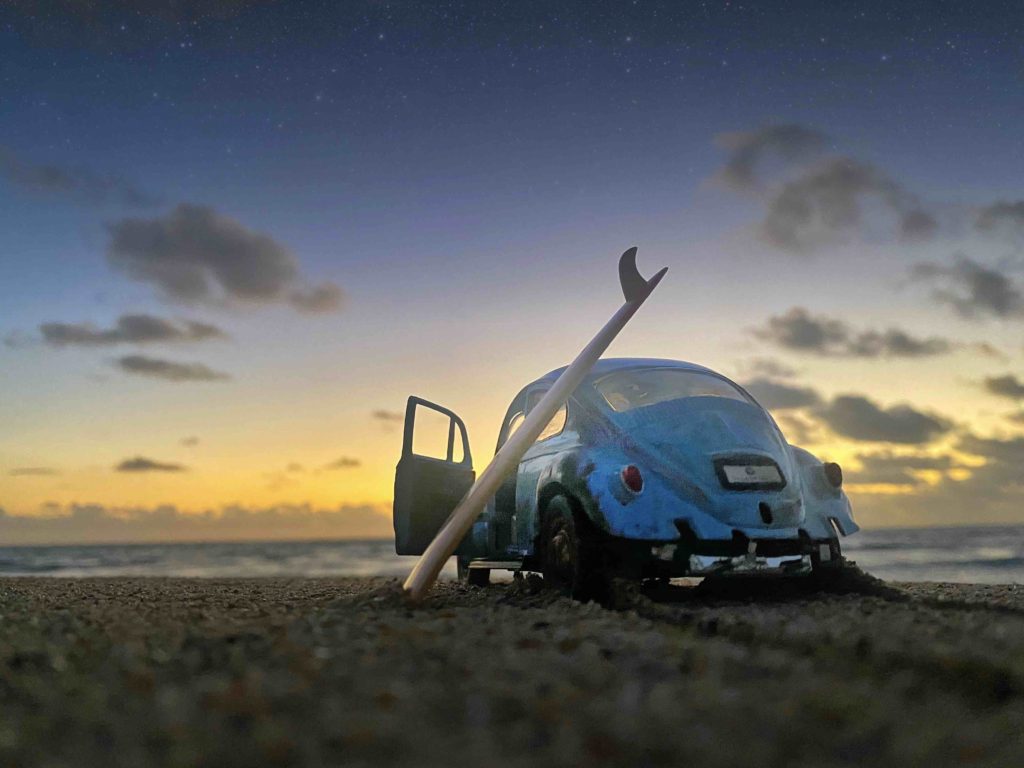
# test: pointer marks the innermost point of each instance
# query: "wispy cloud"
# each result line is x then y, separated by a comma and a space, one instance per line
321, 298
766, 367
780, 396
750, 150
1007, 215
972, 289
345, 462
32, 472
142, 464
800, 331
167, 370
129, 329
888, 468
78, 184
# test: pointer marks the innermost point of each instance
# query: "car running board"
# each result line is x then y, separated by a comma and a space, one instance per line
497, 565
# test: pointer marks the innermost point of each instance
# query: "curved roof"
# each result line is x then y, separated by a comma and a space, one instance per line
608, 365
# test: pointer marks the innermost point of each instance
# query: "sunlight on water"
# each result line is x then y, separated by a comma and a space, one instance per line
980, 555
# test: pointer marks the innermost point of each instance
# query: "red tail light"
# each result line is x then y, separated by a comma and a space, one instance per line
632, 479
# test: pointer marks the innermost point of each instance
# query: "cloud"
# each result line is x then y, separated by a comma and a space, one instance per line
894, 342
345, 462
196, 255
988, 350
78, 184
322, 298
991, 492
778, 396
94, 523
767, 367
190, 442
389, 417
824, 204
1002, 214
858, 418
800, 331
748, 150
18, 340
142, 464
798, 429
129, 329
1009, 451
1008, 386
888, 468
817, 202
32, 472
154, 368
971, 289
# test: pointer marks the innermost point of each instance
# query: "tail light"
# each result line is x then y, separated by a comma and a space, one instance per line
632, 479
833, 473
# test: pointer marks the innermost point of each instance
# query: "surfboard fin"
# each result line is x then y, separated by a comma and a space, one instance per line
634, 286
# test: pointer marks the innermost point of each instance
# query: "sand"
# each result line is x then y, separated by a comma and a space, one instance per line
315, 672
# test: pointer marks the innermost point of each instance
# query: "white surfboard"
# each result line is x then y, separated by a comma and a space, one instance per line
635, 289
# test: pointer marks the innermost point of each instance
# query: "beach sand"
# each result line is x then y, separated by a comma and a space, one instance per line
315, 672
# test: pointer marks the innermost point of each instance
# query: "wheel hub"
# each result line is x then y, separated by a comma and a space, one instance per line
561, 548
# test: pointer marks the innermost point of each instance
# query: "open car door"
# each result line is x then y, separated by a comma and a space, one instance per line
430, 480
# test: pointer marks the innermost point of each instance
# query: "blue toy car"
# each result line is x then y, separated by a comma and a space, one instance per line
653, 469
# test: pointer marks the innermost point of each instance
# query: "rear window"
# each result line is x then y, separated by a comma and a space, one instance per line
638, 389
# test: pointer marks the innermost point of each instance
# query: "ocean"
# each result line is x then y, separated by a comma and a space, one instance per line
980, 554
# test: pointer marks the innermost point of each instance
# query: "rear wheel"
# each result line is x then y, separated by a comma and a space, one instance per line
475, 577
570, 553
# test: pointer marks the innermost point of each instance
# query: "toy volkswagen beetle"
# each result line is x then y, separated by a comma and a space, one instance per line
653, 469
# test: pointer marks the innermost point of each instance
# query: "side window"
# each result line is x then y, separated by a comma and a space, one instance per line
555, 426
557, 423
514, 423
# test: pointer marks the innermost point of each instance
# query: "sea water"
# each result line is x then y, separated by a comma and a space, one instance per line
981, 554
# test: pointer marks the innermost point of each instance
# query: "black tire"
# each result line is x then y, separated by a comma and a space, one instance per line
474, 577
570, 553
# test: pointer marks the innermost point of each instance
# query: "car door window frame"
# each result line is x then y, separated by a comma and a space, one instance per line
454, 423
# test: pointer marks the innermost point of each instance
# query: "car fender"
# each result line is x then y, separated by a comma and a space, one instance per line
592, 479
827, 510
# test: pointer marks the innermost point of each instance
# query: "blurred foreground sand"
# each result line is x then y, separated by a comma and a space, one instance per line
140, 672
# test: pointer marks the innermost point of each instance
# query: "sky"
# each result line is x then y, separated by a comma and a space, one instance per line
235, 236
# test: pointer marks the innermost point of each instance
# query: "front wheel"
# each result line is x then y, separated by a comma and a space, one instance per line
475, 577
570, 556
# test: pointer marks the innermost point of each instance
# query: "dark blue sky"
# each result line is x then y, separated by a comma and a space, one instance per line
456, 113
527, 94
